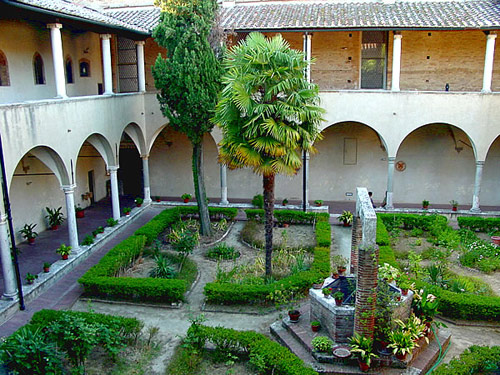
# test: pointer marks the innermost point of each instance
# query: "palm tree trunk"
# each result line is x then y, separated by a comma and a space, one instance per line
199, 189
268, 182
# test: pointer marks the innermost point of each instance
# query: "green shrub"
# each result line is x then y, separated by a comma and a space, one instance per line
222, 251
258, 201
275, 358
216, 213
480, 224
88, 240
158, 224
386, 252
323, 234
111, 222
386, 255
474, 360
27, 351
383, 238
164, 268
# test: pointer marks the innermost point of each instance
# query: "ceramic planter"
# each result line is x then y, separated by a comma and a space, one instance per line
338, 301
31, 241
363, 366
46, 269
80, 214
294, 316
315, 328
65, 256
495, 240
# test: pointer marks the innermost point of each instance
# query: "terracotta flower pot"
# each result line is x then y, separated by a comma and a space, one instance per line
454, 208
80, 214
54, 227
127, 214
46, 269
317, 286
31, 282
286, 225
335, 275
404, 292
294, 316
64, 257
341, 270
496, 240
425, 207
186, 200
31, 241
338, 302
138, 204
401, 357
315, 328
346, 224
363, 366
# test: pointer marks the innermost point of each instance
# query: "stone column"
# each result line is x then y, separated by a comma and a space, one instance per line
307, 45
141, 76
223, 185
8, 271
115, 198
477, 186
106, 64
145, 177
396, 61
58, 58
305, 171
488, 62
70, 209
390, 183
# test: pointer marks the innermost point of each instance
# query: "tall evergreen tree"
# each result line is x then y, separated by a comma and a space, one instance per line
189, 79
268, 114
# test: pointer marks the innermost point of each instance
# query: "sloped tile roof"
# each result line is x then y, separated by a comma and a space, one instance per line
476, 14
146, 17
66, 7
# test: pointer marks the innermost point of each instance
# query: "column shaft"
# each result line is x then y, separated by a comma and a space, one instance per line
58, 58
396, 62
106, 63
390, 182
488, 62
305, 168
8, 271
70, 209
115, 198
141, 75
145, 177
223, 185
477, 186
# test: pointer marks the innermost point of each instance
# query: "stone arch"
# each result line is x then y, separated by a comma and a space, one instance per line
440, 158
135, 133
155, 135
490, 194
51, 160
102, 145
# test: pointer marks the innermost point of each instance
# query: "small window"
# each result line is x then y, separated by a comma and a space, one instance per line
38, 69
4, 70
69, 70
84, 68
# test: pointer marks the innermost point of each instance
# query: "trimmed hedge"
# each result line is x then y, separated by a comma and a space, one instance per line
475, 359
383, 238
410, 221
278, 359
479, 223
229, 293
386, 253
216, 213
129, 326
158, 224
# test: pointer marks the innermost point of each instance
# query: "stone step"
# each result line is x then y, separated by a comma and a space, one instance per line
428, 357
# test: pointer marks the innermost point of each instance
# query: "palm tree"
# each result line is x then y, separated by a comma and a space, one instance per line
268, 114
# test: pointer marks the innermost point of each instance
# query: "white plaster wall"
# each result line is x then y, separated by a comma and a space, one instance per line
331, 179
31, 190
19, 40
435, 171
490, 193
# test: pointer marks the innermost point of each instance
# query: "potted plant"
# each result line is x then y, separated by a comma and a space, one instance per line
346, 218
294, 315
55, 217
30, 278
322, 344
341, 263
425, 204
64, 251
79, 212
454, 205
315, 326
401, 343
318, 284
415, 326
157, 199
318, 202
388, 272
339, 297
126, 211
285, 202
186, 197
46, 267
98, 230
28, 232
362, 348
138, 201
88, 240
327, 292
404, 284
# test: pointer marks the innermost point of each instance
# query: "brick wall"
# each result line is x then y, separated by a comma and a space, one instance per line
355, 240
151, 51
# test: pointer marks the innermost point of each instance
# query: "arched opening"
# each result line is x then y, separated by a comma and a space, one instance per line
130, 176
170, 165
69, 70
84, 68
38, 69
436, 163
490, 193
351, 154
4, 70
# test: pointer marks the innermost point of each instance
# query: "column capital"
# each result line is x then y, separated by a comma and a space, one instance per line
491, 36
54, 26
397, 35
145, 156
113, 168
68, 189
391, 159
105, 36
140, 42
480, 162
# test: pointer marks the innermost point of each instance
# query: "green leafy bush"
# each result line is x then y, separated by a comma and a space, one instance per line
474, 360
223, 251
164, 268
216, 213
480, 224
258, 201
383, 238
323, 234
88, 240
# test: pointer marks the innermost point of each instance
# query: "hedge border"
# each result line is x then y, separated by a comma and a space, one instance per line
472, 360
481, 224
386, 252
276, 357
100, 281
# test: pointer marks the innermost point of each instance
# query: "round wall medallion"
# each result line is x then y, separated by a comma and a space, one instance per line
400, 166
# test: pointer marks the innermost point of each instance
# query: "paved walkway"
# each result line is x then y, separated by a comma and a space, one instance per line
64, 293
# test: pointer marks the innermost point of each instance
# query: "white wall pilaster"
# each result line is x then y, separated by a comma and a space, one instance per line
488, 62
8, 271
106, 63
115, 198
477, 186
69, 191
141, 75
58, 58
396, 61
145, 176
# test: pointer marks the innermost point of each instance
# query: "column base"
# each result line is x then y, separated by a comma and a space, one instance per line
475, 210
224, 203
9, 296
388, 207
147, 201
